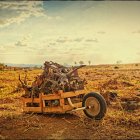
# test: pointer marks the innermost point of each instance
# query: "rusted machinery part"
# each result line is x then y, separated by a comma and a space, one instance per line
70, 103
77, 108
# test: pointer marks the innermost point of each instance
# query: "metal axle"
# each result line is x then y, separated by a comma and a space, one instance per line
75, 108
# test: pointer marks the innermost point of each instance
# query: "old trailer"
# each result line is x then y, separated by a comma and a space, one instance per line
93, 104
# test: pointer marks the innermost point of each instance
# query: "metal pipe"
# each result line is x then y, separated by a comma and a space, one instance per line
70, 103
74, 107
81, 108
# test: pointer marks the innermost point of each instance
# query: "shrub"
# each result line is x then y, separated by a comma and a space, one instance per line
116, 67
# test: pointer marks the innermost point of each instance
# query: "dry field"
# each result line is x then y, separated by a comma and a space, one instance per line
118, 123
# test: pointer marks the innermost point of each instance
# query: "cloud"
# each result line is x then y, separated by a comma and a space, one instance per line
63, 40
69, 39
7, 48
136, 32
2, 49
54, 17
138, 53
78, 39
17, 12
75, 40
101, 32
21, 43
52, 44
68, 42
24, 41
92, 40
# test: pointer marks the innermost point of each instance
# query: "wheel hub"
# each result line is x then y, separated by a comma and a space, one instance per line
93, 106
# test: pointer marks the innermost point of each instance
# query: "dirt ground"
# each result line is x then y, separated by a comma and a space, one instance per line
65, 126
117, 123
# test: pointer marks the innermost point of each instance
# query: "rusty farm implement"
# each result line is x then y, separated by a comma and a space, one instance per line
59, 89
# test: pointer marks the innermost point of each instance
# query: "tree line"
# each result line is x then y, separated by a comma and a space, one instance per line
82, 62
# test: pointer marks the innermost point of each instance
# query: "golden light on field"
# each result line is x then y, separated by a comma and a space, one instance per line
124, 80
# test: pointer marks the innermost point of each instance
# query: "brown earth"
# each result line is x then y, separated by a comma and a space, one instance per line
117, 124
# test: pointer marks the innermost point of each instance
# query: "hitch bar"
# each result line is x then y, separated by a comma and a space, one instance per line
75, 108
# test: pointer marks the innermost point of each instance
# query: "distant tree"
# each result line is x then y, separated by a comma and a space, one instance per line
119, 62
35, 67
2, 66
75, 63
81, 62
89, 62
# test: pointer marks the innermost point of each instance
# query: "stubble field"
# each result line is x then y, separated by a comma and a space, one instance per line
120, 122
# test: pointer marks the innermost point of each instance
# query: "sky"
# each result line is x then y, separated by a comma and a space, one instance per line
103, 32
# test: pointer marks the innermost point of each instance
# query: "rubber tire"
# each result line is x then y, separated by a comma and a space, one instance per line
103, 105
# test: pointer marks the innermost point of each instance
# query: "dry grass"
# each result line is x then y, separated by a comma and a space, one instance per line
118, 123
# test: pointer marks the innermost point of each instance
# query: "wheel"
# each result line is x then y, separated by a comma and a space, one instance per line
95, 106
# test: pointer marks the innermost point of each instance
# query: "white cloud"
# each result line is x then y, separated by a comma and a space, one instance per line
17, 12
62, 40
101, 32
24, 41
136, 32
76, 39
21, 43
92, 40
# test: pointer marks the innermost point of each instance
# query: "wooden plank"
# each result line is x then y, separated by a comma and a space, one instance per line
62, 94
51, 97
41, 102
53, 109
68, 107
61, 102
32, 109
71, 94
29, 100
23, 102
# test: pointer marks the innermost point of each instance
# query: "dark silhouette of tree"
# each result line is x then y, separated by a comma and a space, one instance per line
81, 62
89, 62
119, 62
2, 66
